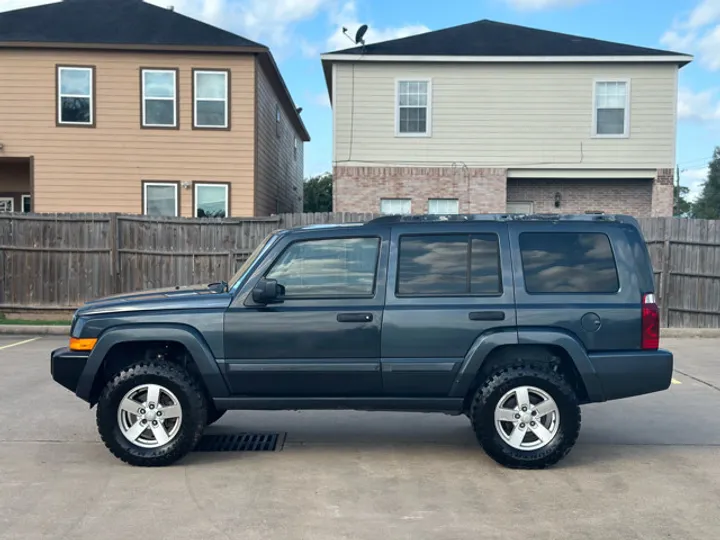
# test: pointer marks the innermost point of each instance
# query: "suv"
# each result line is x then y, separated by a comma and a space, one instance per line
514, 321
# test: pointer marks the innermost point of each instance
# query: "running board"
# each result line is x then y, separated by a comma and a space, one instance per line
405, 404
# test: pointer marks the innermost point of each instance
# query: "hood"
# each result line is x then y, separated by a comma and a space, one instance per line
206, 296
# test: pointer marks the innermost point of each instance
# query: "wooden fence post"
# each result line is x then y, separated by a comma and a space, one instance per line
665, 273
114, 254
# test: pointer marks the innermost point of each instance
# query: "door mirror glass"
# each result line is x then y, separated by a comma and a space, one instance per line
268, 291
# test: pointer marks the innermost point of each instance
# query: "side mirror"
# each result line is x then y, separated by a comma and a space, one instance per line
268, 291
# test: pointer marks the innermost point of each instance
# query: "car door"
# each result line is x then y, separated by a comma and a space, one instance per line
324, 338
447, 285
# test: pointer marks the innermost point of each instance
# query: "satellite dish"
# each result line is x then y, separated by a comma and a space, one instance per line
361, 34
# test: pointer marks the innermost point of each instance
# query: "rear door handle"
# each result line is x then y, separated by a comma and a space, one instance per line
355, 317
486, 315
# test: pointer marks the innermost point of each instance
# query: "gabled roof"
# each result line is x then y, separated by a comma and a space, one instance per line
133, 25
490, 38
490, 41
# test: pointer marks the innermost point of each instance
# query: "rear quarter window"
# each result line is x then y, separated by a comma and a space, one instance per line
568, 263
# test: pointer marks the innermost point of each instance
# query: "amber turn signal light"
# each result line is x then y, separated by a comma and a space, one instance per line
85, 344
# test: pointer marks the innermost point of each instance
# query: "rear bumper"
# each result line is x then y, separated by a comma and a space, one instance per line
626, 374
66, 366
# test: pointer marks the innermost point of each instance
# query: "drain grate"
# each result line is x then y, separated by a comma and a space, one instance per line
240, 442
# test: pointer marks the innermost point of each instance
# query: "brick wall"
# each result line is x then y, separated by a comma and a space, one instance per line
629, 196
663, 195
359, 189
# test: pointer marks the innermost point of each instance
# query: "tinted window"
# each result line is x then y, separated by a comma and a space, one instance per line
568, 263
443, 265
327, 268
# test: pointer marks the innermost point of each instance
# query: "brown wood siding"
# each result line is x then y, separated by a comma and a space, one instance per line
279, 181
102, 169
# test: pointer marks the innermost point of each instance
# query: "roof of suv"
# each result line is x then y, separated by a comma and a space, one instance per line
454, 218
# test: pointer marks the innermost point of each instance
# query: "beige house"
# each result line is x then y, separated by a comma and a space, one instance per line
492, 117
122, 106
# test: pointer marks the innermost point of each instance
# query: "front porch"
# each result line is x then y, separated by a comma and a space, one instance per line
16, 184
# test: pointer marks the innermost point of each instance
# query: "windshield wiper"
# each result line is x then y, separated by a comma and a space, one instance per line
224, 285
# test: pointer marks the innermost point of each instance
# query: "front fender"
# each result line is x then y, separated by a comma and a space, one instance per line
183, 334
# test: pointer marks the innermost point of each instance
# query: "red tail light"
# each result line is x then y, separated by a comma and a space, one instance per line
650, 323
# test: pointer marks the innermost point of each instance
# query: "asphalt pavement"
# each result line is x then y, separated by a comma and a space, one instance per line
645, 467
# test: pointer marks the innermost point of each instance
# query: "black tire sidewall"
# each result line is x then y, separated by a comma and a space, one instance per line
502, 452
193, 417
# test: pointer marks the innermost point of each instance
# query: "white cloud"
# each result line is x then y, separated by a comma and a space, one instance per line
536, 5
698, 106
9, 5
347, 17
322, 99
694, 179
698, 32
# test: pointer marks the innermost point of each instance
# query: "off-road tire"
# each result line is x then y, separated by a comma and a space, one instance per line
173, 377
213, 415
505, 379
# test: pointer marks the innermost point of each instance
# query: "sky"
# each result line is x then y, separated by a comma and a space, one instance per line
298, 31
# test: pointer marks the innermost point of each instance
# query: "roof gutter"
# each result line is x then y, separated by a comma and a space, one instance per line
675, 59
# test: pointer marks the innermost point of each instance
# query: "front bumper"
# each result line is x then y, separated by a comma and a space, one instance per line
66, 366
633, 373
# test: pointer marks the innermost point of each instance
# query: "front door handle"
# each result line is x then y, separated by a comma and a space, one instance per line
486, 315
355, 317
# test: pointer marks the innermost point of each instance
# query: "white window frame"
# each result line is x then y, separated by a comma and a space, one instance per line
162, 184
225, 74
626, 127
211, 184
396, 199
12, 202
428, 131
22, 202
60, 95
444, 200
145, 124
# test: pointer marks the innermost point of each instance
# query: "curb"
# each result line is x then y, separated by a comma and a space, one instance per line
33, 330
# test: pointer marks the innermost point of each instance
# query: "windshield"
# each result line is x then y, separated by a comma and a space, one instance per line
250, 260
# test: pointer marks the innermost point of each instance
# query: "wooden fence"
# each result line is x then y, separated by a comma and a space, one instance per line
58, 261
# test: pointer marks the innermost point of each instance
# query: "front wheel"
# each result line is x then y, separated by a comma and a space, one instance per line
526, 417
151, 414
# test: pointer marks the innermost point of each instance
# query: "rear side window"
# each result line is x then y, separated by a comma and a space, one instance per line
449, 265
568, 263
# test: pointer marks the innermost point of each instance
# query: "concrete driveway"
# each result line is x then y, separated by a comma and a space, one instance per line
646, 467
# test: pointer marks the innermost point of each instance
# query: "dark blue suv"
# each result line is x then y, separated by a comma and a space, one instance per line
514, 321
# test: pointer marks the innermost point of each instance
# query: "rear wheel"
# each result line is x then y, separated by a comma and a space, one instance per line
151, 414
526, 416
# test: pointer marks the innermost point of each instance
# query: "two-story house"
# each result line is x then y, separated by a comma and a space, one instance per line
123, 106
492, 117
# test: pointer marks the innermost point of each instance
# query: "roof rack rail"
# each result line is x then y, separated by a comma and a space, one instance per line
422, 218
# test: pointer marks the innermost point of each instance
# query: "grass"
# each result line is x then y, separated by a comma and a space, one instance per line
17, 322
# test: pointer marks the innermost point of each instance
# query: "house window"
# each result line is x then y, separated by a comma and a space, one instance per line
278, 118
211, 107
295, 148
394, 206
443, 206
26, 204
6, 204
612, 109
159, 98
211, 200
413, 111
160, 199
75, 96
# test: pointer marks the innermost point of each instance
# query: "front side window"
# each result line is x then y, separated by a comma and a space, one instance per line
211, 200
413, 108
449, 265
611, 108
332, 268
443, 206
568, 263
159, 98
211, 99
394, 206
75, 96
160, 199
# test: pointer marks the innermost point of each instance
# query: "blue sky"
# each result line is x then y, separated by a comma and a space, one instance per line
299, 30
